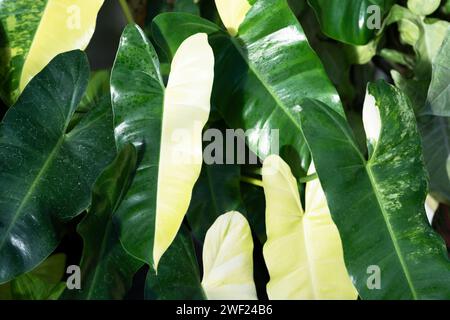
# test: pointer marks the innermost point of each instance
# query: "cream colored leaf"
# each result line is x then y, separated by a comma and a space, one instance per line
303, 252
228, 259
232, 13
186, 111
371, 121
65, 25
431, 206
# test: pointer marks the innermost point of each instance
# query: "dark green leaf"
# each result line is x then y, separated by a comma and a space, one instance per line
378, 204
33, 32
178, 275
43, 283
216, 192
262, 75
46, 172
107, 269
435, 132
438, 100
138, 112
347, 20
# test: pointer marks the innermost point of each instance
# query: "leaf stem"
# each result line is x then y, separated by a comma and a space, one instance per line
252, 181
126, 11
309, 178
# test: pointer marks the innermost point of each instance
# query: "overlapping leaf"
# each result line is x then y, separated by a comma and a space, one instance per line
351, 21
178, 276
384, 196
154, 208
46, 171
303, 251
107, 269
228, 259
34, 32
42, 283
263, 73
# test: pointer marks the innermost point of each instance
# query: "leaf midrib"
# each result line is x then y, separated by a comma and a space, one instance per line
33, 187
274, 96
367, 167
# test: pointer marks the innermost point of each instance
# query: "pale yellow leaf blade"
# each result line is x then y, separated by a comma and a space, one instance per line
65, 25
186, 111
228, 259
303, 252
232, 13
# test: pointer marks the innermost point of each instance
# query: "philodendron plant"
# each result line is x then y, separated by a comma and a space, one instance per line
180, 171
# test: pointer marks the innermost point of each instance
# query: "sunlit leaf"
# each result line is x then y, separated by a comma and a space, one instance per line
166, 126
228, 259
36, 31
303, 251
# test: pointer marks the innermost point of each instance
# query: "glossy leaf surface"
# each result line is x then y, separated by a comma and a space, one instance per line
36, 31
263, 73
107, 269
61, 165
385, 193
351, 21
170, 146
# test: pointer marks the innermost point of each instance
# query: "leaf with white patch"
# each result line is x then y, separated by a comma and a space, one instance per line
232, 13
228, 259
303, 251
378, 203
166, 127
35, 32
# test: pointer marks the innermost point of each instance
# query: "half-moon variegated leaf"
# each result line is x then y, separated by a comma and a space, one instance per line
36, 31
303, 251
391, 252
186, 111
228, 259
165, 125
280, 67
232, 13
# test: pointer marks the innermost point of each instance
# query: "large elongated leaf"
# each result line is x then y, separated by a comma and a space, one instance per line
178, 275
303, 251
46, 172
263, 73
385, 193
170, 145
107, 269
35, 32
228, 259
350, 21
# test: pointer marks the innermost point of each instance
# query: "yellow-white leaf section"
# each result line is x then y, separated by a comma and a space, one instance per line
228, 259
186, 111
371, 121
232, 13
66, 25
431, 206
303, 252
